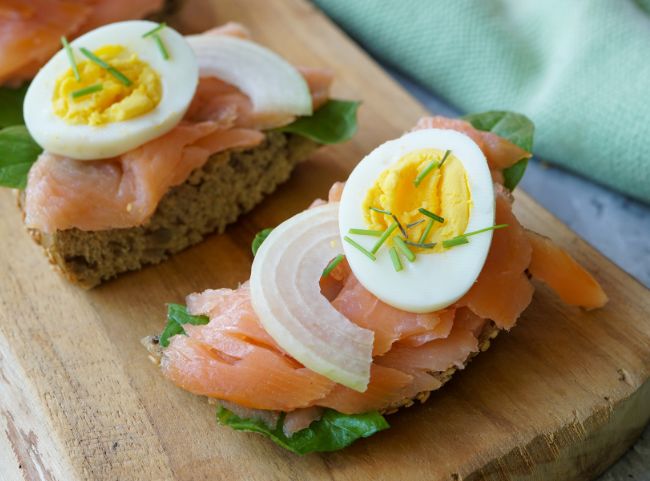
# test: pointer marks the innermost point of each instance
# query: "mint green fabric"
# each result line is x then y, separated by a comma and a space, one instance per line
580, 69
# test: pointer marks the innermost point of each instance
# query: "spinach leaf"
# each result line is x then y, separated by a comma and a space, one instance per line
332, 432
177, 315
516, 128
18, 151
513, 174
11, 106
333, 123
259, 238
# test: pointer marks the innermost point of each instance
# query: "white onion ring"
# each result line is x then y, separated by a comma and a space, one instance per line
286, 296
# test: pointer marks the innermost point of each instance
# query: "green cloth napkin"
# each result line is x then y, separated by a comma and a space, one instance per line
580, 69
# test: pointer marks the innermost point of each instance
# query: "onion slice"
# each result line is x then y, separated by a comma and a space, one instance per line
274, 86
286, 296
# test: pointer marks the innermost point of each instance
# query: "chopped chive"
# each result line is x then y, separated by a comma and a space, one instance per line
456, 241
429, 245
333, 263
363, 250
444, 157
70, 54
494, 227
428, 213
420, 177
112, 70
374, 233
153, 31
404, 249
399, 225
381, 211
427, 229
384, 236
413, 224
91, 89
161, 47
432, 165
397, 264
463, 238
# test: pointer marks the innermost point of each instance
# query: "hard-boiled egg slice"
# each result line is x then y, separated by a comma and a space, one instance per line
114, 115
460, 191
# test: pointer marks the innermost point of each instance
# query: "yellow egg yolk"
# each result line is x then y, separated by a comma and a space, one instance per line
444, 191
115, 101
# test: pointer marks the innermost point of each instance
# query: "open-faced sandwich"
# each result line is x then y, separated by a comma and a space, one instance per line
363, 304
31, 31
138, 141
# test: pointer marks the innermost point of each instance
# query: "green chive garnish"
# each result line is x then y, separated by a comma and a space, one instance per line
334, 262
381, 211
404, 249
161, 47
428, 213
432, 165
371, 232
463, 238
384, 236
112, 70
444, 157
155, 30
429, 245
494, 227
73, 64
456, 241
427, 229
413, 224
399, 225
91, 89
363, 250
397, 264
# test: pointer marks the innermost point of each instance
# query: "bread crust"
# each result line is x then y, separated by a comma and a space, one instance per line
230, 184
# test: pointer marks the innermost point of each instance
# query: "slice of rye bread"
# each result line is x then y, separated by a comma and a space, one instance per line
487, 334
230, 184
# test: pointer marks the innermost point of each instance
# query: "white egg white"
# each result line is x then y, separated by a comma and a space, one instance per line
179, 78
434, 280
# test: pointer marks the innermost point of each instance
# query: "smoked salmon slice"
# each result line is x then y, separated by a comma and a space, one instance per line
32, 29
261, 378
386, 387
502, 290
364, 309
232, 312
30, 34
435, 356
499, 152
232, 358
556, 268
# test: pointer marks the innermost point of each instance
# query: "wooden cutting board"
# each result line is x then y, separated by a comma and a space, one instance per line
559, 398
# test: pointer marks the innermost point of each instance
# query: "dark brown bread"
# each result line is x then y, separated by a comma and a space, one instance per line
228, 185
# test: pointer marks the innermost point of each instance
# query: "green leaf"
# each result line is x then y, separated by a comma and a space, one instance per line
11, 106
513, 174
18, 152
333, 123
259, 238
177, 315
331, 432
516, 128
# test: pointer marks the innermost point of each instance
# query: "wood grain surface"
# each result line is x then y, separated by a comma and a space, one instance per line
559, 398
